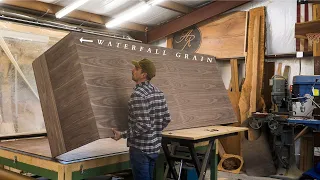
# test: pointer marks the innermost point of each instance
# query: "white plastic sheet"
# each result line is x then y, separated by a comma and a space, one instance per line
20, 109
281, 17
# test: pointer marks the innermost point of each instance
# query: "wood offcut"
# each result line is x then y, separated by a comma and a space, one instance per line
232, 144
255, 151
251, 99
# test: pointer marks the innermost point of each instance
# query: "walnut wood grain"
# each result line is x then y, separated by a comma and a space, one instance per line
48, 106
91, 85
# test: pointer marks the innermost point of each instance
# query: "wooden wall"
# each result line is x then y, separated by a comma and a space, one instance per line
222, 37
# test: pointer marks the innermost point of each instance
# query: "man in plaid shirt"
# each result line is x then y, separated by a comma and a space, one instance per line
148, 116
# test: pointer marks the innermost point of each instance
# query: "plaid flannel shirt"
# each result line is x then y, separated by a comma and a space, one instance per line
148, 116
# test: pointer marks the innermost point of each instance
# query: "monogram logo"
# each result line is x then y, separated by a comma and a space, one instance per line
187, 37
188, 40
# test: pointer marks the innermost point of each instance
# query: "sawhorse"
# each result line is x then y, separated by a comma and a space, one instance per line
188, 138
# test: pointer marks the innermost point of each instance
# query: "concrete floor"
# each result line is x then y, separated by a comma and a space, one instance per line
230, 176
221, 176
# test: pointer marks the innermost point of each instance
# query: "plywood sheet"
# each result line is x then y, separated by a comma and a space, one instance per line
37, 146
90, 83
40, 147
224, 37
203, 132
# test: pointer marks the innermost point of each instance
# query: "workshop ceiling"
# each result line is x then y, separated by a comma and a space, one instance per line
154, 16
157, 22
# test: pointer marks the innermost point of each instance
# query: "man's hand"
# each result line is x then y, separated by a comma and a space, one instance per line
117, 134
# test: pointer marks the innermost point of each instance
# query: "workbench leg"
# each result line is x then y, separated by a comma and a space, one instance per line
67, 173
214, 163
61, 172
159, 170
206, 160
173, 147
169, 161
195, 158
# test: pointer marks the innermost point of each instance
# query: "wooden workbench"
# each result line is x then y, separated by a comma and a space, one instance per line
203, 132
190, 138
34, 156
104, 156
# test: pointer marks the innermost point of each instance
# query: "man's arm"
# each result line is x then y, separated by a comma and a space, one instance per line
166, 117
139, 108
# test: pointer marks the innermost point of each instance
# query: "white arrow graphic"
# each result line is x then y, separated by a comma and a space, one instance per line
85, 40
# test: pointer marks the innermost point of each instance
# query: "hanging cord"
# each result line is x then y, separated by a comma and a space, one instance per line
45, 13
299, 66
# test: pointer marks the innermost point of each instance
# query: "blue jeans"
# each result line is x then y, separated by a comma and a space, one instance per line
142, 164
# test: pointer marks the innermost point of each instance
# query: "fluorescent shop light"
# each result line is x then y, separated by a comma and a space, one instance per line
128, 14
70, 8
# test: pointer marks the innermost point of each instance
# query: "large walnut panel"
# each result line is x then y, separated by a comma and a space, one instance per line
84, 87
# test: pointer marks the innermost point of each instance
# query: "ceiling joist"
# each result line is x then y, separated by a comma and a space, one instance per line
173, 6
47, 8
198, 15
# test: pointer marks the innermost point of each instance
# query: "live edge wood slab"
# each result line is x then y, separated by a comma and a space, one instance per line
84, 84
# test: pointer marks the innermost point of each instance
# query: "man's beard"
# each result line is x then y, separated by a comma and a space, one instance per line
133, 79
